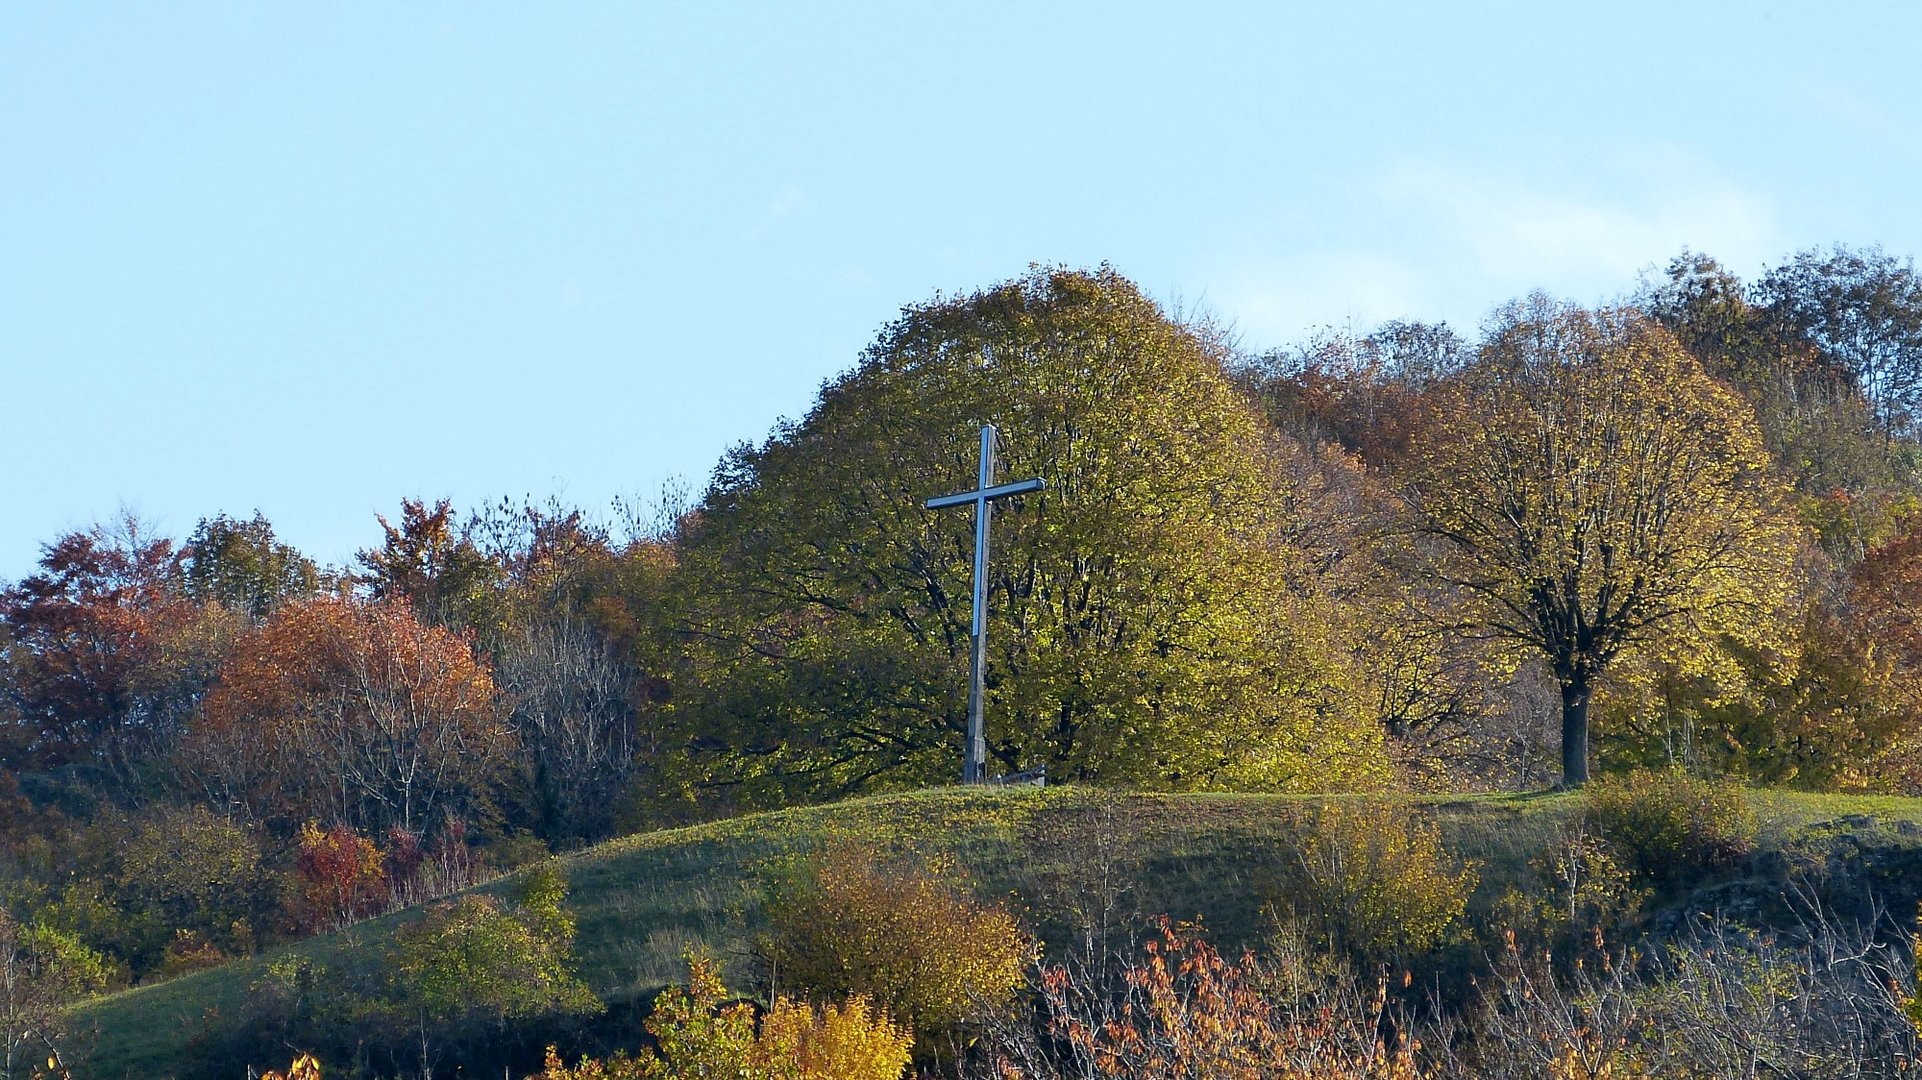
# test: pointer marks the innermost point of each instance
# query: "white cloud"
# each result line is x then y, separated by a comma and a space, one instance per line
1447, 243
1518, 232
1274, 301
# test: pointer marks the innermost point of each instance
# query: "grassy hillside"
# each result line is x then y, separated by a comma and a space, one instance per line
643, 899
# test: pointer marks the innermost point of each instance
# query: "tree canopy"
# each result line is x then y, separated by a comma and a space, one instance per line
1590, 490
1154, 619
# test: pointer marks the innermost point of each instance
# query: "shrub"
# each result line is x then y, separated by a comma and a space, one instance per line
1373, 882
340, 877
907, 934
41, 970
1179, 1009
1574, 885
1669, 825
475, 959
697, 1033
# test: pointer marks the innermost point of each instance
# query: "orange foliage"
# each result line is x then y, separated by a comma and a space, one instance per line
340, 875
354, 712
1188, 1013
1886, 594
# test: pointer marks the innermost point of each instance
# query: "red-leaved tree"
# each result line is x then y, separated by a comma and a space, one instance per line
341, 711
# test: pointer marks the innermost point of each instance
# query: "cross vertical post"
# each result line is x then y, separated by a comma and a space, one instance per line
974, 769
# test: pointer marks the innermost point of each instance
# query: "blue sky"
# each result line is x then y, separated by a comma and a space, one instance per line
311, 259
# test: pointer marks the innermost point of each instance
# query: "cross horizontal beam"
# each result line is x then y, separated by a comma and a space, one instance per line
999, 491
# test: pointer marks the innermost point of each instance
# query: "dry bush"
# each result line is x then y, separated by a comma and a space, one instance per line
1723, 1002
1179, 1010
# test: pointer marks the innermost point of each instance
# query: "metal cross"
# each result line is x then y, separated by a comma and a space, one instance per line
975, 769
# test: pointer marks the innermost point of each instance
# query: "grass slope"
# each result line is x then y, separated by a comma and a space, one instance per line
643, 899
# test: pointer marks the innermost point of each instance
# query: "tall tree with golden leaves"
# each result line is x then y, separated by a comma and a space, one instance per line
1156, 613
1590, 489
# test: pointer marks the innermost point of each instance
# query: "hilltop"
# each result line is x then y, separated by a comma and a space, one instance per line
641, 900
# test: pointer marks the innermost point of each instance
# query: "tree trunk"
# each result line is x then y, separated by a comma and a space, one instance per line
1574, 732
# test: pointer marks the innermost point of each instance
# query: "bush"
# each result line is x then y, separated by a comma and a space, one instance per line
1669, 825
339, 876
1373, 882
1180, 1009
41, 971
698, 1034
907, 934
474, 959
1573, 886
453, 987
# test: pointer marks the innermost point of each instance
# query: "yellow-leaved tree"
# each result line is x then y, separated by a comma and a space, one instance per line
1155, 615
1589, 490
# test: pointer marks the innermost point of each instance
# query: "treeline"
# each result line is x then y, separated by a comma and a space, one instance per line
1391, 559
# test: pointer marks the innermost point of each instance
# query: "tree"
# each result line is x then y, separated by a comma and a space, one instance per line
242, 565
472, 965
1155, 618
41, 971
1886, 599
570, 681
1863, 309
428, 562
104, 657
1810, 402
569, 696
341, 711
1589, 489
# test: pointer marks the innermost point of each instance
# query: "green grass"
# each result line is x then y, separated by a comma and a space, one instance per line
643, 899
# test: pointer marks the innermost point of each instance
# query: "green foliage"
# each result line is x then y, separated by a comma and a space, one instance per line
474, 959
133, 887
242, 565
1372, 882
1670, 826
907, 933
1157, 616
42, 970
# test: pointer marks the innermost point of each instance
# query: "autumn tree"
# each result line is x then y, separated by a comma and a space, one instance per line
1154, 617
1589, 489
1354, 390
1863, 309
342, 711
1815, 416
568, 655
101, 656
1885, 590
431, 563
